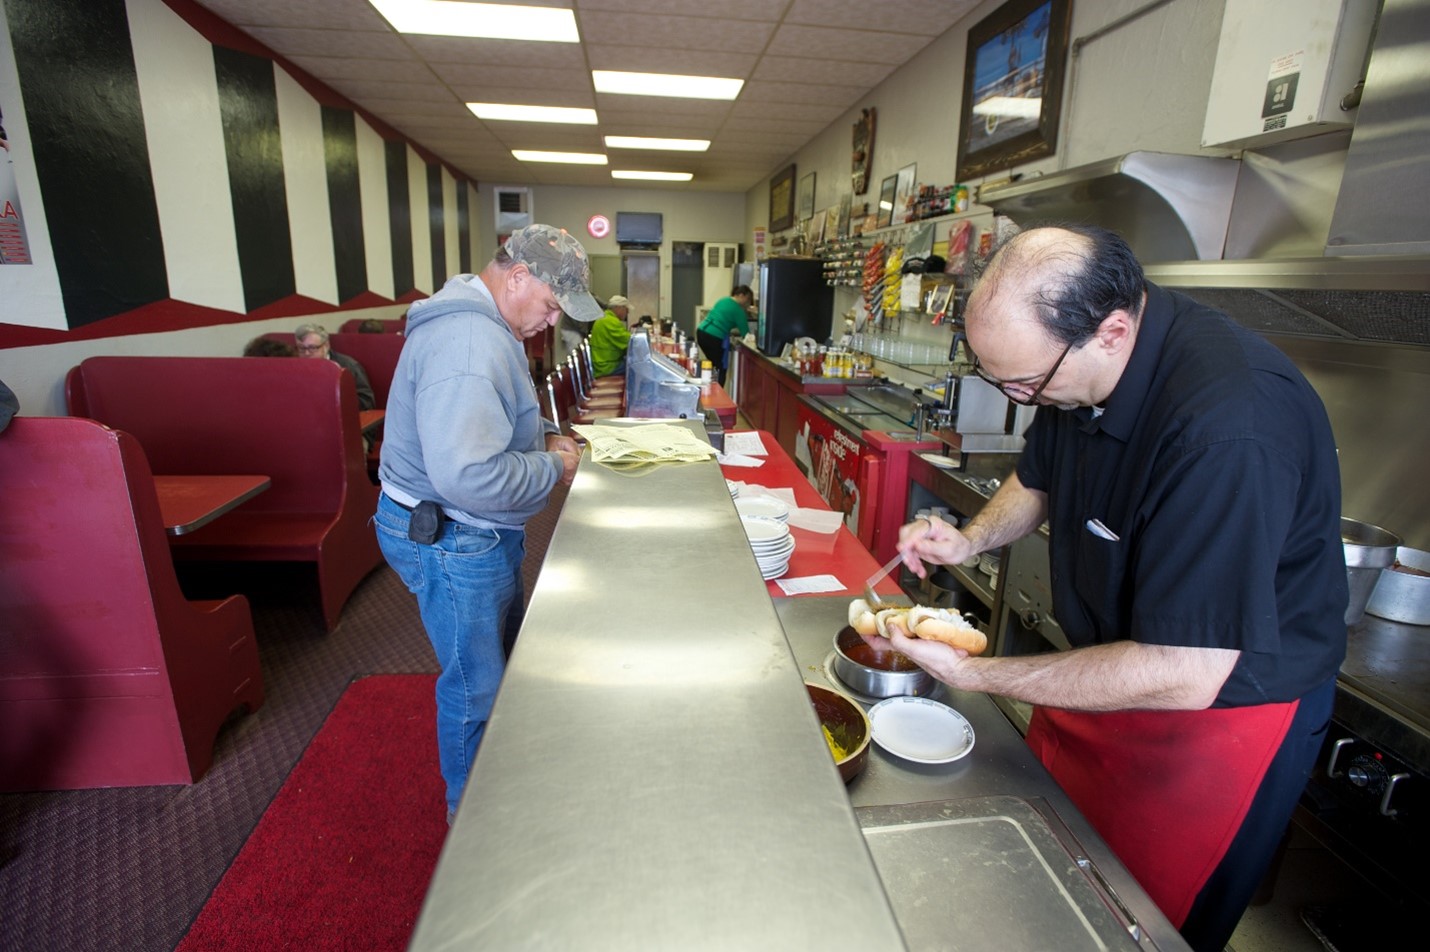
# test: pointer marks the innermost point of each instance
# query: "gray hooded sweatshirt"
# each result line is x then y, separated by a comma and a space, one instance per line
463, 426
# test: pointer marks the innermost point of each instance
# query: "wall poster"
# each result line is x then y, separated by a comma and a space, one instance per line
14, 246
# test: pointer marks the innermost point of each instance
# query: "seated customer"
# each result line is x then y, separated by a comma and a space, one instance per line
372, 326
610, 336
312, 340
9, 405
267, 347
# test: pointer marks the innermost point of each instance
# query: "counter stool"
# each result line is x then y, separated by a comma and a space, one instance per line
584, 399
561, 399
599, 386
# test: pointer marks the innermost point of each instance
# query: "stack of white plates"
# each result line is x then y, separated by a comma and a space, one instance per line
764, 507
989, 565
772, 544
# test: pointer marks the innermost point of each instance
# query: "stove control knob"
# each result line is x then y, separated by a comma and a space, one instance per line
1367, 772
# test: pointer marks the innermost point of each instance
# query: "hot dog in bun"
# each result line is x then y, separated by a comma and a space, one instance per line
861, 617
949, 627
932, 624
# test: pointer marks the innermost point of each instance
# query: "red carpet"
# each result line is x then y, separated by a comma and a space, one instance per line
343, 855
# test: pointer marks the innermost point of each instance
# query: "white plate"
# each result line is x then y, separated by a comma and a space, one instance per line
774, 571
767, 506
761, 529
939, 460
921, 730
772, 546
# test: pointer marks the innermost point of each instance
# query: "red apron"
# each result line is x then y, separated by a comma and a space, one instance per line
1167, 790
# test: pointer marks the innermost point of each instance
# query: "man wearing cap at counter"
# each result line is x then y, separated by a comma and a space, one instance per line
467, 459
610, 336
1189, 478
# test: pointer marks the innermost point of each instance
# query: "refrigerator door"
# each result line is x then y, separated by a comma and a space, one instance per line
794, 302
642, 284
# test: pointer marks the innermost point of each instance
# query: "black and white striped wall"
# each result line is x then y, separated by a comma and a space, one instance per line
186, 178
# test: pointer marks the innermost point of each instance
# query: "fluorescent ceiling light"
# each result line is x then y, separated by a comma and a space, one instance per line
1010, 107
652, 176
510, 112
499, 21
570, 158
664, 145
666, 84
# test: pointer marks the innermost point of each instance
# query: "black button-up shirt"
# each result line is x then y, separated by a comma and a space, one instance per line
1214, 465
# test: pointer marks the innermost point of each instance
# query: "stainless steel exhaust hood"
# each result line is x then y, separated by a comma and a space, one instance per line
1168, 207
1381, 208
1174, 210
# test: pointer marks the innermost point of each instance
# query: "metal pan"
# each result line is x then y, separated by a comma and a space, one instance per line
875, 674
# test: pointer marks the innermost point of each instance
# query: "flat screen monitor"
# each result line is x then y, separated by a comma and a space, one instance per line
643, 228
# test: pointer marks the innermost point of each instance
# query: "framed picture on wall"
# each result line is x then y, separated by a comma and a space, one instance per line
886, 201
782, 199
1012, 86
904, 193
804, 206
863, 150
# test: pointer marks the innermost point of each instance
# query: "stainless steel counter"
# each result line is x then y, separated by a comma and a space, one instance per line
999, 766
653, 774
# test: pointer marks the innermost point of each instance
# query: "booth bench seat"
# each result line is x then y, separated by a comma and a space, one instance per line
295, 421
108, 676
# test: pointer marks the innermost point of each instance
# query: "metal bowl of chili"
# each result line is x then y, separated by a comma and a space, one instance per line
874, 673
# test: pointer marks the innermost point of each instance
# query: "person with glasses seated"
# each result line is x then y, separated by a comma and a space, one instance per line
312, 341
1188, 475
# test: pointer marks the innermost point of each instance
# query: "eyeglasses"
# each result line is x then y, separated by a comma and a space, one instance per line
1003, 385
310, 348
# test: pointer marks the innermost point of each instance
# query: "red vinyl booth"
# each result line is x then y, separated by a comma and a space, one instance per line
352, 325
295, 421
377, 353
108, 676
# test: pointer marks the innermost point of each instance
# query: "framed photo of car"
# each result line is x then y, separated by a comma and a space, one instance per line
1012, 86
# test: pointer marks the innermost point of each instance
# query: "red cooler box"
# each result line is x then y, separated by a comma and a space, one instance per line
863, 473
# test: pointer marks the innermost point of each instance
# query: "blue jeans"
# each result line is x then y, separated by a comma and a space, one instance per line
469, 592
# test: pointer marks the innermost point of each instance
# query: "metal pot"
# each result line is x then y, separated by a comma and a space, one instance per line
1403, 596
877, 674
1369, 549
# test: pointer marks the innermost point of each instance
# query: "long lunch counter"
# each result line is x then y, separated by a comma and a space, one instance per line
653, 774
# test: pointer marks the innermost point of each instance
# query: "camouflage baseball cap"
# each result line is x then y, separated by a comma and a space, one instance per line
553, 256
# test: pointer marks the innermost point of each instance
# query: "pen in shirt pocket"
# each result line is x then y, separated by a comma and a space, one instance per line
1096, 527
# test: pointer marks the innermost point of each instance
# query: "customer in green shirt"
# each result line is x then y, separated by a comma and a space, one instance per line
610, 336
729, 315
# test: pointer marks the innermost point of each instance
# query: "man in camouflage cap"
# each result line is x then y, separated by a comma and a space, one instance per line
467, 459
556, 258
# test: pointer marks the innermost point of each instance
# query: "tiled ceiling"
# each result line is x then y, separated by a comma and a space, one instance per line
804, 62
